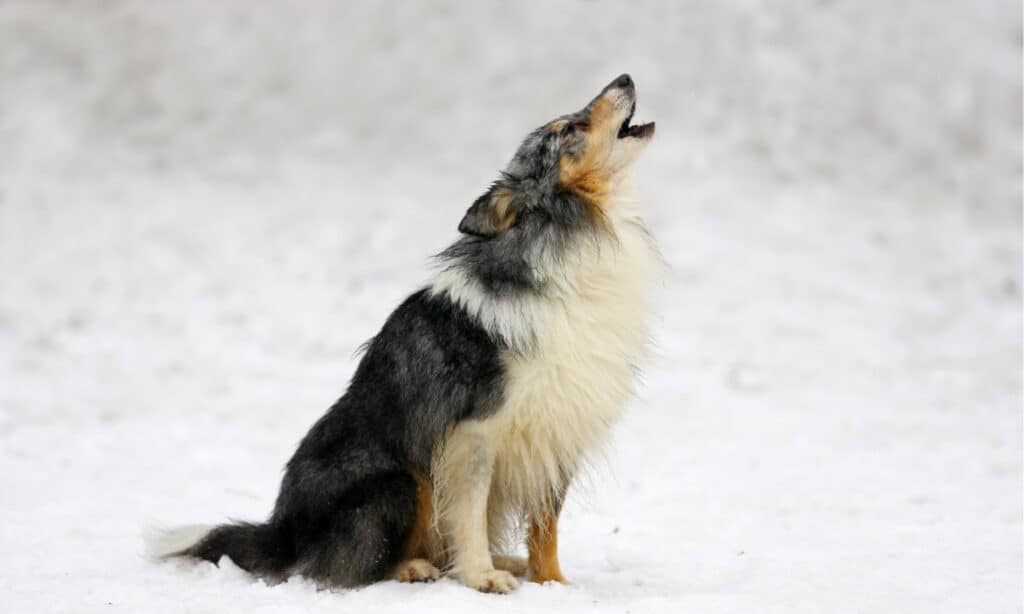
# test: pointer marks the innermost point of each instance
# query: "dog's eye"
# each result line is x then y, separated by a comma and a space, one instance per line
573, 128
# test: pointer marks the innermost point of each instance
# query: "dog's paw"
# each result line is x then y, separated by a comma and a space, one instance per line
416, 570
546, 571
491, 581
515, 565
544, 578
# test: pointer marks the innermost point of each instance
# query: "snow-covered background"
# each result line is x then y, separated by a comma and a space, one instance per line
205, 207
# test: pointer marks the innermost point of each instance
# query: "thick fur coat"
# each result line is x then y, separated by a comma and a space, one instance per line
485, 392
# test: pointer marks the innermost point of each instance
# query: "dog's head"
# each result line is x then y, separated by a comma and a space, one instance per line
568, 169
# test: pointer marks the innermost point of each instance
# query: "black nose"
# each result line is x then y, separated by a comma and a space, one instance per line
624, 81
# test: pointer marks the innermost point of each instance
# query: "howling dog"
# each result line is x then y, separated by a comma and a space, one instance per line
485, 392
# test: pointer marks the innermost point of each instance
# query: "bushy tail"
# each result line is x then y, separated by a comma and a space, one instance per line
256, 548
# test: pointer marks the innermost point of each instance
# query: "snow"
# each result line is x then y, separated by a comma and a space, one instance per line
206, 207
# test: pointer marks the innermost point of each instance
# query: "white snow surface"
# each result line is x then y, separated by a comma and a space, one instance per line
205, 207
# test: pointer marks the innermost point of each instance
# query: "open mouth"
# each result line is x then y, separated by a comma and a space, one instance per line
639, 131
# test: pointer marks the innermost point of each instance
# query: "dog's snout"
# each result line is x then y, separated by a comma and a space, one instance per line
624, 81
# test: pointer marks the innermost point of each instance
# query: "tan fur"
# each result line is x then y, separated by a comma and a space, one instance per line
416, 570
515, 565
422, 540
542, 543
595, 173
589, 173
501, 214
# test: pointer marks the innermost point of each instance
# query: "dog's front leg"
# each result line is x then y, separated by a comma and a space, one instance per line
467, 518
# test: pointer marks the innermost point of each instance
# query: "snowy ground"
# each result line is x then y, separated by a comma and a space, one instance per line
206, 207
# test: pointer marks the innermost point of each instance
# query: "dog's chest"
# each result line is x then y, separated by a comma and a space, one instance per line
563, 392
561, 398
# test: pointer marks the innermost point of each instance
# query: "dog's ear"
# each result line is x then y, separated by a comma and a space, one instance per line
491, 214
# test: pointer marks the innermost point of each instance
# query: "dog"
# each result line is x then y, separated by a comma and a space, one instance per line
485, 392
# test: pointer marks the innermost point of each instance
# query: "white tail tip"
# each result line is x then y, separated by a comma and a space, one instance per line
161, 543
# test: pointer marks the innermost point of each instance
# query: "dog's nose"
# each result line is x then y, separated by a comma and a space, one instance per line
624, 81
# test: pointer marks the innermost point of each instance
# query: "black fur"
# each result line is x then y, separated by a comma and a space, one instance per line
347, 500
506, 264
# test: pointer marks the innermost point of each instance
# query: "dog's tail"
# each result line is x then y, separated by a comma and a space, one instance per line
256, 548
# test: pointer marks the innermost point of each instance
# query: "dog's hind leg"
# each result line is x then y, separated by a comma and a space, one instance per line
515, 565
421, 543
416, 570
362, 540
